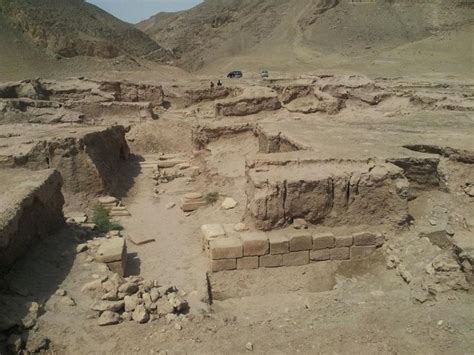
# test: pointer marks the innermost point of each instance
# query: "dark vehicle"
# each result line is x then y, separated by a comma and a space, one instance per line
235, 74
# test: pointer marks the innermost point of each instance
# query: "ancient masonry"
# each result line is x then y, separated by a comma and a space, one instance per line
230, 250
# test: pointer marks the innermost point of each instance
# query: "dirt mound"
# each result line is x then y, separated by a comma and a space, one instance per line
288, 34
70, 28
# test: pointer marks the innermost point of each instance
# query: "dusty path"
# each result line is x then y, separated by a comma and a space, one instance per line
175, 257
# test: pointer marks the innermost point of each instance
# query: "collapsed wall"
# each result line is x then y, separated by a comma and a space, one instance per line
253, 100
30, 209
330, 193
88, 160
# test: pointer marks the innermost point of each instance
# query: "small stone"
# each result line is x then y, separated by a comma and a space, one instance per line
108, 318
60, 292
300, 223
170, 205
103, 306
229, 203
128, 288
249, 346
126, 316
82, 248
140, 314
164, 307
130, 303
178, 326
154, 294
433, 222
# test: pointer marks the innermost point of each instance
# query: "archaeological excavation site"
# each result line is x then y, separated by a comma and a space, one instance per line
269, 177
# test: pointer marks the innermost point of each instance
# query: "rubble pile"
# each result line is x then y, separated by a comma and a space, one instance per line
134, 299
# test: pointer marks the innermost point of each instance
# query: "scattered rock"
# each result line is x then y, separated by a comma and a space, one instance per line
131, 302
405, 274
109, 318
229, 203
249, 346
128, 288
170, 205
178, 326
103, 306
140, 314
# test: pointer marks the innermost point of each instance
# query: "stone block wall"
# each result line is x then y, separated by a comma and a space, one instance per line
228, 250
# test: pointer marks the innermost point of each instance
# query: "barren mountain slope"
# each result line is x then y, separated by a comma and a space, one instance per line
287, 34
72, 28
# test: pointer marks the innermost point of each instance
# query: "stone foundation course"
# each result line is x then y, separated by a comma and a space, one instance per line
230, 250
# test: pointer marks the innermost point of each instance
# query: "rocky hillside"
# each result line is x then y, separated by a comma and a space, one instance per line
70, 28
300, 30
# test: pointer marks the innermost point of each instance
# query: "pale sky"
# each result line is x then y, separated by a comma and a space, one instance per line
136, 10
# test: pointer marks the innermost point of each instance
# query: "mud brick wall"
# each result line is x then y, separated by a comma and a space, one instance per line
327, 193
289, 247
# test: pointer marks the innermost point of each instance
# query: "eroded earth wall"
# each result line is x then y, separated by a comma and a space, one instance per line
30, 209
327, 193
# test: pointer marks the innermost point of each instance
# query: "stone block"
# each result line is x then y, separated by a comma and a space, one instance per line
119, 267
323, 241
226, 248
247, 263
279, 244
364, 238
320, 255
111, 250
340, 253
211, 232
223, 265
189, 206
296, 258
344, 241
360, 252
300, 241
255, 243
271, 261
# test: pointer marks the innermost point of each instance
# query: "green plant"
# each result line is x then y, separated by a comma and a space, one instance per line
101, 218
211, 197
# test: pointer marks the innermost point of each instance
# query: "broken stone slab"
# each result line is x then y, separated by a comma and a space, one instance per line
140, 239
165, 164
109, 318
